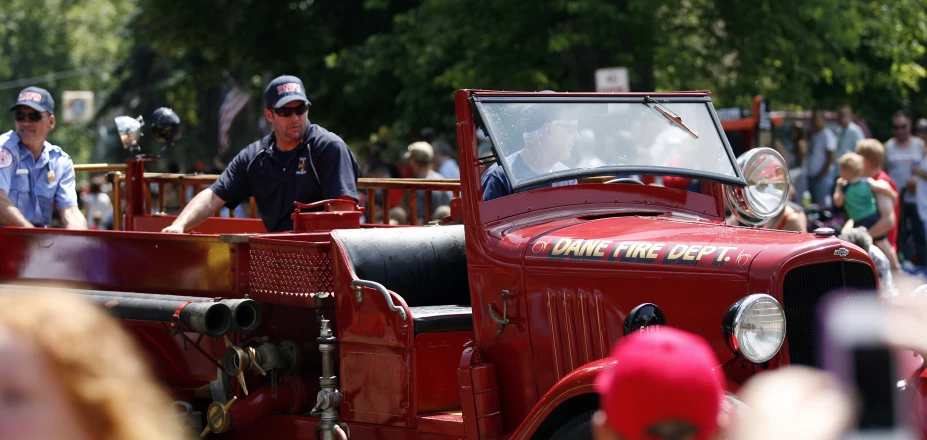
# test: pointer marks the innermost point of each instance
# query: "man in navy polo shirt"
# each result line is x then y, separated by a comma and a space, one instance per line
299, 162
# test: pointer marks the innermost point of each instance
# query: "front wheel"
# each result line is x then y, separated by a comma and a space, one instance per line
577, 428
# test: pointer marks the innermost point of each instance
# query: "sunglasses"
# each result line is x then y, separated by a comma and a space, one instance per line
33, 116
900, 127
286, 112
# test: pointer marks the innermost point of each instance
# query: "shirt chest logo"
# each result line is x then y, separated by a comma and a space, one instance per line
301, 168
6, 158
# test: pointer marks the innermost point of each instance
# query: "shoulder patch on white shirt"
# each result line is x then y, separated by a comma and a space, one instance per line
6, 158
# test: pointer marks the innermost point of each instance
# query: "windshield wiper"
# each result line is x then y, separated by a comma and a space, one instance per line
670, 116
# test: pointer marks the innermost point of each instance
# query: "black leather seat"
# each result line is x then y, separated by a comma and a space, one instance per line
426, 266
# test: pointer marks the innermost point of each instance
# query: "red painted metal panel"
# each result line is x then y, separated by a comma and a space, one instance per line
377, 384
116, 260
212, 225
435, 357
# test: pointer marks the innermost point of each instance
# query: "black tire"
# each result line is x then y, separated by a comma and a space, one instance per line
577, 428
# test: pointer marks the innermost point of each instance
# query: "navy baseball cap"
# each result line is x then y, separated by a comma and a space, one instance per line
283, 90
36, 98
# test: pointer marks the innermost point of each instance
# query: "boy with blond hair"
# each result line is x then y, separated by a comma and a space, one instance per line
857, 195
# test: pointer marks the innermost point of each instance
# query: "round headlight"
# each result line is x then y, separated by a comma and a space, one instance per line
767, 190
754, 327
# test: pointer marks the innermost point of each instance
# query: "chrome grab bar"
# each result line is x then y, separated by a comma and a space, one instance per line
357, 284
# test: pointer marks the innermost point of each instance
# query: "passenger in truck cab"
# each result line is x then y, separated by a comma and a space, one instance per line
298, 162
664, 385
36, 176
548, 142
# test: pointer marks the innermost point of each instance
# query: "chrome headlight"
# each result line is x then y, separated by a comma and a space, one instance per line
754, 327
130, 130
767, 190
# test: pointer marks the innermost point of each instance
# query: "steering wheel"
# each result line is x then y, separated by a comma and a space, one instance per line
626, 180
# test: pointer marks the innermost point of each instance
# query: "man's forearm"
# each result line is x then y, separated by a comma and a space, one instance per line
72, 218
10, 214
886, 216
198, 210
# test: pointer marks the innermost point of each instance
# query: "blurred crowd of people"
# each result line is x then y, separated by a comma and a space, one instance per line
845, 180
429, 157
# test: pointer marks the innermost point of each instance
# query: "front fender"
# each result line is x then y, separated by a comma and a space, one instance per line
577, 383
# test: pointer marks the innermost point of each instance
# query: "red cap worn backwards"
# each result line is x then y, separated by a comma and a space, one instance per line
665, 384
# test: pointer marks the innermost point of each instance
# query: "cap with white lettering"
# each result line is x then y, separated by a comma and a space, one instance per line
283, 90
37, 99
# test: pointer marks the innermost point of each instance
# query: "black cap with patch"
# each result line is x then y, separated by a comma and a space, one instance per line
35, 98
284, 90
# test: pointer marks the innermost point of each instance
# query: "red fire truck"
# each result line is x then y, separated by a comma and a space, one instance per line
492, 324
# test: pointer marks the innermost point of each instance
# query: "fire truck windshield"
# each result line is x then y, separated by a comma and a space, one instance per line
551, 140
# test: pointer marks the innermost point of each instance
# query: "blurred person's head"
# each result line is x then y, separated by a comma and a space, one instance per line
901, 126
441, 212
797, 131
69, 371
548, 139
421, 156
851, 166
793, 403
845, 115
378, 171
858, 236
398, 216
873, 153
665, 384
443, 152
921, 129
818, 121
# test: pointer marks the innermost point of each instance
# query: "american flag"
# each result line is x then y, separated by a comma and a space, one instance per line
234, 102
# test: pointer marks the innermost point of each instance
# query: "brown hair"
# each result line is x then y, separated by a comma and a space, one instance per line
871, 149
98, 365
852, 162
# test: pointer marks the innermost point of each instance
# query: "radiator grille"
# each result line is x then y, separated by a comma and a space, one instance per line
803, 289
289, 272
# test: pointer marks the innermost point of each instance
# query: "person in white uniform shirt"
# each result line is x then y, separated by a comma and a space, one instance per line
903, 155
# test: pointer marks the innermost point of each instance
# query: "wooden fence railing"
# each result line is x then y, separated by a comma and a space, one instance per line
180, 183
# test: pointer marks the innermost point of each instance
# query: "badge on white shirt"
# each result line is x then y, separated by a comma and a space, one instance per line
22, 171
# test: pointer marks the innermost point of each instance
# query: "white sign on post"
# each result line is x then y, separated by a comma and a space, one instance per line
612, 79
77, 107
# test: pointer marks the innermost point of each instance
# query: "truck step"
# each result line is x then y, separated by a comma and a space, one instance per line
448, 423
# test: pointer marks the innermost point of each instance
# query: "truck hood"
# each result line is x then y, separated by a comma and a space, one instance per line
662, 241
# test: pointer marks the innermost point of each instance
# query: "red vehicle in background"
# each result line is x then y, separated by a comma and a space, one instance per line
491, 325
744, 130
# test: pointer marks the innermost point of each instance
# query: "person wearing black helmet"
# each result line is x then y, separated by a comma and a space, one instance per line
298, 162
35, 176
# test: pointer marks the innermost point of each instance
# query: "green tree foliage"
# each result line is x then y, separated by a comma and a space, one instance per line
61, 45
379, 69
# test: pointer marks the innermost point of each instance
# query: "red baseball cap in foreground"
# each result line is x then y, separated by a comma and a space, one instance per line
664, 379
